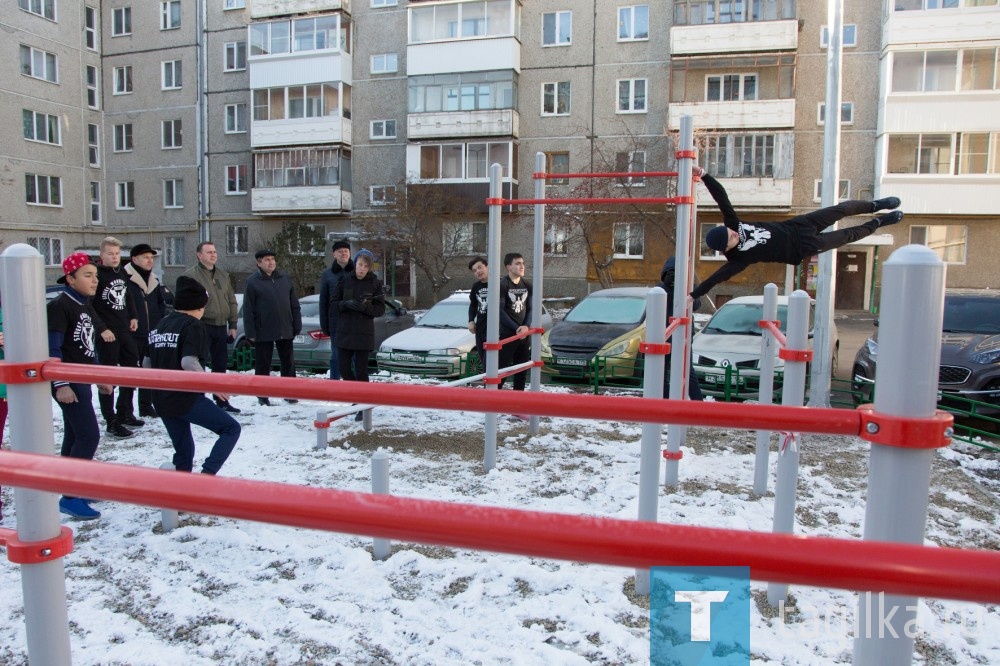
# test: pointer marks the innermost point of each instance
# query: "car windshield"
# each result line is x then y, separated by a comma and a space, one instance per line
609, 310
742, 319
447, 314
971, 314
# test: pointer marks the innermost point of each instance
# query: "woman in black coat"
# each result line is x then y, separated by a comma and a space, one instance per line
358, 300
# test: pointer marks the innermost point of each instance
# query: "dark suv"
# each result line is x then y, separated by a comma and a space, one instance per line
970, 349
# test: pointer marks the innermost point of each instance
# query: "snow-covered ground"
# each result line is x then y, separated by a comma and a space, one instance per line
217, 590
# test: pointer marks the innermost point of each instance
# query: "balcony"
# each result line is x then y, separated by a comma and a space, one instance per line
473, 55
734, 37
756, 114
751, 193
940, 26
266, 8
289, 69
313, 200
941, 112
944, 194
458, 124
327, 130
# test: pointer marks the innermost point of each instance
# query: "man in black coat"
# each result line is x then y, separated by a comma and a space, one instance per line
328, 316
147, 294
272, 317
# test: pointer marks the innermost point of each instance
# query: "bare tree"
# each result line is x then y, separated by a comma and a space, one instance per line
300, 250
428, 225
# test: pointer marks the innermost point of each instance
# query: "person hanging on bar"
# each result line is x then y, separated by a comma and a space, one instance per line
746, 243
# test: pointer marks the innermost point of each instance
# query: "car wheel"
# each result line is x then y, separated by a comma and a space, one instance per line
861, 391
243, 355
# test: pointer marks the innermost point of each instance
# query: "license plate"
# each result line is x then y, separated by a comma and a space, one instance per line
712, 379
579, 362
407, 357
299, 339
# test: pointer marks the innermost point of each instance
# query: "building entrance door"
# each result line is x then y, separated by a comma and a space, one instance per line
850, 281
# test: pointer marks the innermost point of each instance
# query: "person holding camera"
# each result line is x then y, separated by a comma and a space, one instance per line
358, 299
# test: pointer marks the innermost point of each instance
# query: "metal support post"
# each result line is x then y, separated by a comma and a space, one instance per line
380, 486
493, 314
766, 397
322, 430
792, 394
906, 380
652, 387
46, 617
537, 279
169, 518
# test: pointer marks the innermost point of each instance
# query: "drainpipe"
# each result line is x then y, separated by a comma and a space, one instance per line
201, 125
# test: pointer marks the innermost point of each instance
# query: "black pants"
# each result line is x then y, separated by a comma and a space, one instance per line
121, 352
514, 353
264, 353
218, 352
694, 387
353, 364
80, 431
812, 224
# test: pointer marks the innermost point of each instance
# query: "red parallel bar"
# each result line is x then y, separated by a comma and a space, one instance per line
675, 323
609, 408
775, 331
612, 200
517, 336
628, 174
947, 573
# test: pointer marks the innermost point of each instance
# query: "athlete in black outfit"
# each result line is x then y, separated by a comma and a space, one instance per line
515, 316
478, 296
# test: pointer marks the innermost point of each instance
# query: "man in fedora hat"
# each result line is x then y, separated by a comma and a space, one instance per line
146, 292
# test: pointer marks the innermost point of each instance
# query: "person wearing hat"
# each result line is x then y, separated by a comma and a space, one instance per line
180, 342
73, 325
358, 300
746, 243
328, 316
144, 289
272, 317
115, 306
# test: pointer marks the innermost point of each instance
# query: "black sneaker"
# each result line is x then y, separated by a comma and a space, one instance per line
148, 412
264, 401
886, 203
291, 401
116, 429
889, 218
226, 406
131, 421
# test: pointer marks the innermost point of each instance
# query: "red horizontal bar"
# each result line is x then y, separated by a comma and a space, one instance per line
610, 408
947, 573
626, 174
612, 200
772, 326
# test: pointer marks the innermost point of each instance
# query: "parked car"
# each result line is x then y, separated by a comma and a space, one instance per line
311, 347
731, 339
600, 334
970, 349
439, 344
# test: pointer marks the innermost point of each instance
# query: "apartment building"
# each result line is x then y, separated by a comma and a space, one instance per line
175, 121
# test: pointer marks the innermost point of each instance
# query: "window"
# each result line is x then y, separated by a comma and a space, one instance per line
730, 87
311, 101
93, 101
171, 79
123, 138
843, 195
234, 4
557, 163
631, 162
461, 161
236, 179
173, 251
945, 71
173, 193
93, 145
39, 64
123, 80
633, 23
465, 20
236, 118
905, 5
384, 63
979, 69
51, 249
846, 113
382, 195
383, 129
237, 239
555, 98
121, 21
742, 155
628, 240
974, 150
465, 91
94, 189
170, 15
90, 27
920, 153
631, 95
313, 33
171, 135
376, 4
298, 167
948, 241
705, 252
125, 195
706, 12
557, 28
464, 238
236, 56
556, 236
850, 36
44, 8
41, 127
42, 190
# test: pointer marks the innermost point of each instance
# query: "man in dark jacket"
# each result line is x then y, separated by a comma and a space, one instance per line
328, 316
359, 300
272, 317
145, 291
515, 317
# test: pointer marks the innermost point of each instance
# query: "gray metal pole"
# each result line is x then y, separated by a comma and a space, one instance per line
910, 318
680, 341
381, 548
46, 617
822, 366
766, 397
322, 434
792, 394
169, 518
493, 314
652, 387
537, 278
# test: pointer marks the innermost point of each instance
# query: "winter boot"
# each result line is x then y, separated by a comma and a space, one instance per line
886, 203
889, 218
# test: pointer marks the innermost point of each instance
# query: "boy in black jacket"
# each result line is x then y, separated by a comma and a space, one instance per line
478, 296
515, 316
